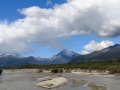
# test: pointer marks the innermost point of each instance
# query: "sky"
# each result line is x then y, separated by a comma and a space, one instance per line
43, 28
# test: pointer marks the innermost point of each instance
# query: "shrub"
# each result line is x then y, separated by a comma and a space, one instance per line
1, 71
40, 70
89, 70
60, 70
54, 70
85, 70
67, 71
113, 71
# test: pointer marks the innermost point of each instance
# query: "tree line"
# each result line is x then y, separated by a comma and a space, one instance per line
112, 66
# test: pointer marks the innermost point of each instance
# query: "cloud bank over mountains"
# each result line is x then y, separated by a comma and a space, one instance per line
95, 46
47, 26
98, 46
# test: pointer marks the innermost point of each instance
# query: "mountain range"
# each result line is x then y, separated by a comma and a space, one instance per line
106, 54
7, 60
65, 56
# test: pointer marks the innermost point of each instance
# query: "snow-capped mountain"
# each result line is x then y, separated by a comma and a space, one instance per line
3, 55
68, 53
63, 57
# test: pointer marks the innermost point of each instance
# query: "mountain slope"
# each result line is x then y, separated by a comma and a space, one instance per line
110, 53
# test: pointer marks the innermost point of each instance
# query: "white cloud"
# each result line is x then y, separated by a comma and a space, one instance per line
47, 26
49, 3
84, 52
98, 46
2, 42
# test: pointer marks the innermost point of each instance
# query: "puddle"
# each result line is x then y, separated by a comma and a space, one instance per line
87, 84
93, 86
81, 86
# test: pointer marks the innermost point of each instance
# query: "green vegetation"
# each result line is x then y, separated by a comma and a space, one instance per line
111, 66
1, 71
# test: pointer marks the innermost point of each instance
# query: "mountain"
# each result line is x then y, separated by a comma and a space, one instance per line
10, 55
13, 61
106, 54
16, 59
63, 57
69, 54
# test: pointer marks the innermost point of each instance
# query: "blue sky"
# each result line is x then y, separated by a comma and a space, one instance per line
9, 7
45, 27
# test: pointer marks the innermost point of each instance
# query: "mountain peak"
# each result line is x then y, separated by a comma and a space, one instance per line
68, 53
65, 50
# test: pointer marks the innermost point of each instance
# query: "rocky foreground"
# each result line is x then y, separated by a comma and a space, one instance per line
51, 82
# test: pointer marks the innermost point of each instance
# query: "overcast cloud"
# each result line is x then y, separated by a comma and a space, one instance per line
47, 26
